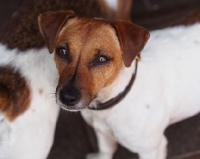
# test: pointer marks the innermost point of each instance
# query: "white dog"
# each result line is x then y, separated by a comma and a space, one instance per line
96, 63
166, 90
28, 111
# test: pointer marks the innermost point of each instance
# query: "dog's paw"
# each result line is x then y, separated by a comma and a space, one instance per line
99, 156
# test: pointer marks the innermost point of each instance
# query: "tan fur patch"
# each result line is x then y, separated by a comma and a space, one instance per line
87, 39
14, 93
40, 91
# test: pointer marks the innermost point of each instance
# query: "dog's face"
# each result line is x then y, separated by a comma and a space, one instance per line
85, 63
88, 53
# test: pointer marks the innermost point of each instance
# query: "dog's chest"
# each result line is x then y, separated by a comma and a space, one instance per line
123, 132
128, 127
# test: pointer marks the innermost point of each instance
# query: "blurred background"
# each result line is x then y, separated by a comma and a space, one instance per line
74, 138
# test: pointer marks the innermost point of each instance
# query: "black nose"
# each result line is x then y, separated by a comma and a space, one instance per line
69, 95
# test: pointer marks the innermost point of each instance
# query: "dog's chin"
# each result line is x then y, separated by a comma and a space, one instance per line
86, 103
72, 108
78, 107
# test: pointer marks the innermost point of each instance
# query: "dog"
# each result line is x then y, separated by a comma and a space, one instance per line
28, 77
126, 99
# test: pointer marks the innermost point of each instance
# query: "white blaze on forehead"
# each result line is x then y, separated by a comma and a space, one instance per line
113, 4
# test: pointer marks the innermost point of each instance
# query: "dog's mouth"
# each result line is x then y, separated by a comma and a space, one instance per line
75, 101
94, 104
73, 108
79, 106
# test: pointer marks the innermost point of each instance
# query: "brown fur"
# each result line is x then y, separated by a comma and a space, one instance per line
84, 48
132, 40
53, 22
87, 39
15, 94
22, 30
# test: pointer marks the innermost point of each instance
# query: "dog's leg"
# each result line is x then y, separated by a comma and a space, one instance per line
158, 152
107, 147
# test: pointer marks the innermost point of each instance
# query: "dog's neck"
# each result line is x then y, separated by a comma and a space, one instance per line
123, 82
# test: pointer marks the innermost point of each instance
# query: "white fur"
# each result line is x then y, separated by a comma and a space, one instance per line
30, 135
166, 90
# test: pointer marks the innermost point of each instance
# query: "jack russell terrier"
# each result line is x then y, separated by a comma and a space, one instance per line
28, 77
126, 100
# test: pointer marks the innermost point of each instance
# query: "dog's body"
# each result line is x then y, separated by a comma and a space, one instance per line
28, 78
29, 134
166, 88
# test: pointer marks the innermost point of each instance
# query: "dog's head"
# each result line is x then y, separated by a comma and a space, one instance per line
88, 53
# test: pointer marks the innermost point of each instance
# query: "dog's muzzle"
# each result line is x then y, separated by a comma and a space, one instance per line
69, 95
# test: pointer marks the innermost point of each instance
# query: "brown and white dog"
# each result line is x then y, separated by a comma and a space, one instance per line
28, 77
97, 68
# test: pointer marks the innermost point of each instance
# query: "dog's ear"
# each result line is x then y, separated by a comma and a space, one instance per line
132, 39
51, 23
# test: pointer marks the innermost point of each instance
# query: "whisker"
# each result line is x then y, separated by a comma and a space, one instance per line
53, 104
51, 95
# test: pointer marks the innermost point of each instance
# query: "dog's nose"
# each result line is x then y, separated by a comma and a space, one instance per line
69, 95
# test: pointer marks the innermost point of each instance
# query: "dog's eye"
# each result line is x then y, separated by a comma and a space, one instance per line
62, 51
102, 59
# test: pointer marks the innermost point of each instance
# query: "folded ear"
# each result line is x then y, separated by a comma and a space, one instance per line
51, 23
132, 39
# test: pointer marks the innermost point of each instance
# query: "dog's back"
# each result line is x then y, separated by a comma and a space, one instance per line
174, 53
